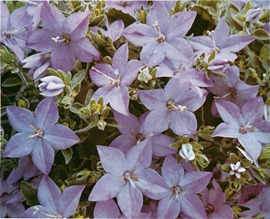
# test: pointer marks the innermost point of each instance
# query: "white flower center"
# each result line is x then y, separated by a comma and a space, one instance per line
161, 37
65, 39
39, 133
50, 215
130, 178
171, 105
177, 191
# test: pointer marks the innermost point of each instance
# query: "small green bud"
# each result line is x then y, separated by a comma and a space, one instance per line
101, 124
144, 75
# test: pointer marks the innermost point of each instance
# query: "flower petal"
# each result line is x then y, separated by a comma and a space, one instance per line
46, 113
108, 186
48, 194
130, 201
106, 209
43, 157
60, 137
168, 208
152, 99
20, 118
69, 200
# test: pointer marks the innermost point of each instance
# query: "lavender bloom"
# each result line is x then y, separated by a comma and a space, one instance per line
51, 86
63, 37
182, 188
161, 35
214, 203
245, 124
114, 30
220, 41
259, 205
232, 89
134, 131
10, 200
128, 7
38, 134
172, 107
53, 203
14, 30
127, 178
114, 79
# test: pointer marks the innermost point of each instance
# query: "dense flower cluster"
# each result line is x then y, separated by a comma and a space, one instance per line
135, 109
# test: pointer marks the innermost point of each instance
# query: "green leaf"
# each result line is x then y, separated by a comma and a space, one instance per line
77, 79
75, 108
67, 153
261, 34
12, 82
258, 176
29, 193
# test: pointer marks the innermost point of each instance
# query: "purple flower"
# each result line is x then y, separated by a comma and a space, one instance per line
38, 134
232, 89
128, 7
133, 132
214, 202
182, 188
245, 124
253, 15
10, 199
14, 29
172, 108
51, 86
114, 79
220, 41
53, 203
259, 205
63, 37
127, 178
161, 35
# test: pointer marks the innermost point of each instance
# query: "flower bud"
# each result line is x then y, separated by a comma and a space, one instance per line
253, 15
187, 152
218, 66
51, 86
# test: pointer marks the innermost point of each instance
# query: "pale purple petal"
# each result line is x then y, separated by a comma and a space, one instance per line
41, 40
84, 51
221, 33
226, 130
128, 124
168, 208
46, 113
108, 186
78, 24
4, 16
60, 137
130, 201
109, 155
106, 209
101, 73
19, 146
235, 43
171, 171
36, 211
183, 123
156, 10
43, 157
152, 99
115, 30
157, 120
20, 118
195, 181
161, 145
123, 142
140, 156
252, 110
131, 71
49, 194
120, 99
120, 58
192, 206
69, 200
151, 184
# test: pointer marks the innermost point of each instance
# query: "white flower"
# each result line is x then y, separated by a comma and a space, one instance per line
144, 75
187, 152
237, 169
51, 86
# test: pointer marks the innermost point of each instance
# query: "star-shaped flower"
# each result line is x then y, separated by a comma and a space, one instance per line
127, 178
232, 89
14, 29
172, 107
133, 132
220, 41
53, 202
161, 35
38, 134
114, 79
182, 189
63, 37
214, 202
245, 124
